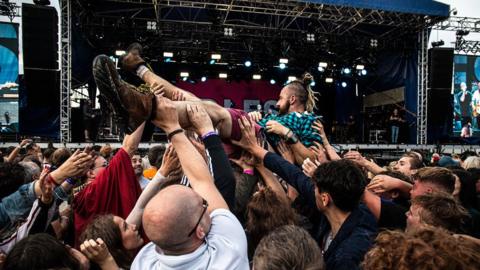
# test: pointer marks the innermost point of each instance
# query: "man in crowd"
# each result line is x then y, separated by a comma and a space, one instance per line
138, 169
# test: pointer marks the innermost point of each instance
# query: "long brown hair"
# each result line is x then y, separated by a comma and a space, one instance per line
103, 227
266, 212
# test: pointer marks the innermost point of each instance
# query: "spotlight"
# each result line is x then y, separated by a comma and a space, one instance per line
167, 54
439, 43
168, 60
364, 72
321, 69
373, 43
329, 80
312, 84
257, 76
228, 32
184, 74
120, 52
282, 66
216, 56
344, 84
184, 79
151, 25
272, 81
212, 62
323, 64
310, 37
203, 79
291, 78
346, 71
222, 75
248, 63
283, 61
360, 67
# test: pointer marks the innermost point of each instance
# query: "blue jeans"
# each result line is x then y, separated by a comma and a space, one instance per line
395, 130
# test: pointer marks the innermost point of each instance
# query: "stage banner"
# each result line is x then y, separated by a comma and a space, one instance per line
244, 95
8, 78
466, 91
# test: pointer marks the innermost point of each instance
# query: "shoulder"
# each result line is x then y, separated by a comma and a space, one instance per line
226, 229
146, 258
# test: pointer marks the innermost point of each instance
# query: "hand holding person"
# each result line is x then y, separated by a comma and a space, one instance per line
76, 165
158, 89
166, 115
46, 187
318, 126
319, 152
199, 119
97, 251
356, 157
277, 128
286, 152
255, 116
309, 167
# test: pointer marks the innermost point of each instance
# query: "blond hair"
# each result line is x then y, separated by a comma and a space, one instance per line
303, 91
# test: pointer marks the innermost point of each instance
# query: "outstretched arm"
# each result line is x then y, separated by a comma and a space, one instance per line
192, 162
130, 142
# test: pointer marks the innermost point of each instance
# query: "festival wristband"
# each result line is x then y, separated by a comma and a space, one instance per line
208, 134
248, 171
173, 133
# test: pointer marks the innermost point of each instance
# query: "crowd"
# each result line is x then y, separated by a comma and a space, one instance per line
231, 190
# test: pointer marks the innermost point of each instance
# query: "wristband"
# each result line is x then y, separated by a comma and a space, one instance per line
52, 180
292, 140
173, 133
248, 171
208, 134
286, 134
71, 181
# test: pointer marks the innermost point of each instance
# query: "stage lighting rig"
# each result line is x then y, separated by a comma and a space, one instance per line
42, 2
439, 43
9, 9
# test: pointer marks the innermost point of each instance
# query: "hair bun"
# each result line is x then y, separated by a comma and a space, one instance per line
307, 78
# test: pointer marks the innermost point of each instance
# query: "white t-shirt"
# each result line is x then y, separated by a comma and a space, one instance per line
225, 248
143, 182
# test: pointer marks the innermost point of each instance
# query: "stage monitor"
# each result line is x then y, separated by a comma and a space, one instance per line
9, 77
466, 95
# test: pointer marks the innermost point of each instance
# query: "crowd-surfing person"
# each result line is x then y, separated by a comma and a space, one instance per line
231, 190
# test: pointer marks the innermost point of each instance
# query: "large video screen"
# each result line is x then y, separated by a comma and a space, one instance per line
9, 78
466, 93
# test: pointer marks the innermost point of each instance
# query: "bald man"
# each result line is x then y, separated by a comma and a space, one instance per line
190, 228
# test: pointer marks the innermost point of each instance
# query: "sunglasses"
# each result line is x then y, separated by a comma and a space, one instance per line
205, 206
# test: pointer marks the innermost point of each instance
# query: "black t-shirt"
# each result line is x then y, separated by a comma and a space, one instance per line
392, 216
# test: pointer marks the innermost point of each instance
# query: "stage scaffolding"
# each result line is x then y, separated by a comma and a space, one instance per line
65, 71
422, 82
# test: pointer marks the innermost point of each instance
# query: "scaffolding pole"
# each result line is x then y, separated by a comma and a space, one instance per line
422, 81
65, 71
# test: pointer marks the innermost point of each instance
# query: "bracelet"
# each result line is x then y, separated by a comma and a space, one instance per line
248, 171
208, 134
173, 133
286, 134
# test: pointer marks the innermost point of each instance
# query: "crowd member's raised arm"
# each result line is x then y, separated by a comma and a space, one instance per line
332, 154
130, 142
287, 171
192, 162
16, 150
356, 157
169, 164
384, 183
76, 164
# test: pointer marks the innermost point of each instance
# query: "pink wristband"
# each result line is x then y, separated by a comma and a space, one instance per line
248, 171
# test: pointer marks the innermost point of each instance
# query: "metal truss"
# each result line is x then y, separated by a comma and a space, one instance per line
467, 46
422, 81
65, 71
11, 10
459, 23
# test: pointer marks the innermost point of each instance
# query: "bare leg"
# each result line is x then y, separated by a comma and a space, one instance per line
221, 118
151, 78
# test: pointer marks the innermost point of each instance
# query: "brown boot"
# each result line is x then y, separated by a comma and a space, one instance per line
132, 60
130, 105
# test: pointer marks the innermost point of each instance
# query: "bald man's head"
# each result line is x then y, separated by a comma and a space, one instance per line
171, 215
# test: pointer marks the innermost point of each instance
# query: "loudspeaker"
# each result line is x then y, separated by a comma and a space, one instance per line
440, 99
440, 68
40, 37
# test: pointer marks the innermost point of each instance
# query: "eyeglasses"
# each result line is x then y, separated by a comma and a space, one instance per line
104, 165
205, 206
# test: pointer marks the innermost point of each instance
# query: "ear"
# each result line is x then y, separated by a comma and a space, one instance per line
325, 199
200, 232
292, 99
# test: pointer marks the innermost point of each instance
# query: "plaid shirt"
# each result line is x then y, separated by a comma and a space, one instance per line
299, 123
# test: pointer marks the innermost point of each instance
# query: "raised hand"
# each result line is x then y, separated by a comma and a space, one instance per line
255, 116
286, 152
318, 126
200, 119
248, 140
276, 128
356, 157
170, 162
158, 89
382, 183
46, 187
96, 251
178, 96
319, 152
309, 167
166, 116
